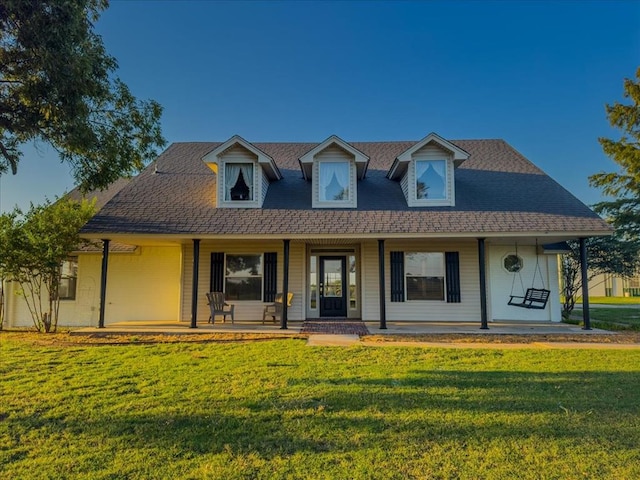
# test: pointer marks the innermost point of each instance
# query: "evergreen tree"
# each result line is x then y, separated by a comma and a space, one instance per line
623, 211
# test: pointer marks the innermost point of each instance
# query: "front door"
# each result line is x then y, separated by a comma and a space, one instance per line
333, 291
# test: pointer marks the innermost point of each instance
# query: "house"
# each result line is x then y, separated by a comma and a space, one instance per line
428, 230
607, 285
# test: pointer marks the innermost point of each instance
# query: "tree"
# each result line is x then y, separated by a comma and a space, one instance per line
57, 85
607, 255
624, 210
39, 242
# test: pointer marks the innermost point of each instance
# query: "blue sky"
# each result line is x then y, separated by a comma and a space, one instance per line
536, 74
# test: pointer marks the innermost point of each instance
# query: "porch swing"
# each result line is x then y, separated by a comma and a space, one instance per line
535, 298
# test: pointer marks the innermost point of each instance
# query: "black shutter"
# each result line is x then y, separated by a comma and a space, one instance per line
452, 261
270, 276
397, 276
216, 280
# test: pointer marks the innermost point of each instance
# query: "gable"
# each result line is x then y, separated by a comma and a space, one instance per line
426, 172
334, 167
243, 173
334, 144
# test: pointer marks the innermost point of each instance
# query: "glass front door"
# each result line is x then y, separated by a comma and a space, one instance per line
333, 288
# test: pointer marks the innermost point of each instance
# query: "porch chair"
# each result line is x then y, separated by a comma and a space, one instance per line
217, 306
274, 309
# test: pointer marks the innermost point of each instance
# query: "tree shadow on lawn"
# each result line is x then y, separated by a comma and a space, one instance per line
319, 414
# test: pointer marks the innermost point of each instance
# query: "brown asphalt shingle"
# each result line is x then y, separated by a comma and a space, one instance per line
497, 190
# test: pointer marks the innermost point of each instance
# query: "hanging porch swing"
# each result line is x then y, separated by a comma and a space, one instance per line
535, 298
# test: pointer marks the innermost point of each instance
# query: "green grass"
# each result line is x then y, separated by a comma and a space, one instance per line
612, 300
280, 409
614, 318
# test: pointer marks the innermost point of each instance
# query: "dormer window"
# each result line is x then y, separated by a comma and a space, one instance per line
431, 179
244, 173
238, 181
334, 168
334, 182
426, 172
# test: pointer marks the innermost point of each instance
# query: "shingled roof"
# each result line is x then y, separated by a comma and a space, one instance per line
497, 191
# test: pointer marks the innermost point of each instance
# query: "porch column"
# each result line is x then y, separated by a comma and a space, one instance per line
585, 285
383, 307
194, 283
285, 286
103, 281
483, 285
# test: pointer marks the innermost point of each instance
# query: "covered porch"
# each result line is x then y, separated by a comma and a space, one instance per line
370, 290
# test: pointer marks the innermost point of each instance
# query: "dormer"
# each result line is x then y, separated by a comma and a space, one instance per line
426, 172
334, 168
243, 171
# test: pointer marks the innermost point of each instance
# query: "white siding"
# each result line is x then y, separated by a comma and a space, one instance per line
467, 310
500, 284
265, 186
370, 281
404, 183
247, 311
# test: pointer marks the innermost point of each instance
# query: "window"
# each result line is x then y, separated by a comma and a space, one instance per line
238, 182
334, 182
424, 274
352, 282
512, 263
313, 283
68, 279
243, 277
431, 179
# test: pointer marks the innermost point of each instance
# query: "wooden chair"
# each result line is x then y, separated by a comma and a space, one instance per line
274, 309
218, 306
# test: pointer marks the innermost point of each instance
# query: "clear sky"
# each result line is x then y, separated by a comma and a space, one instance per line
536, 74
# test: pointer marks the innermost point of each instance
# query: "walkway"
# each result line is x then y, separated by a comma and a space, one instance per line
334, 326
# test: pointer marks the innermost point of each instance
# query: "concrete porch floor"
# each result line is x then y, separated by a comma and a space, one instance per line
393, 328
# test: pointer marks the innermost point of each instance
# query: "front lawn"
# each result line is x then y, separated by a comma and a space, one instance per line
612, 300
610, 318
280, 409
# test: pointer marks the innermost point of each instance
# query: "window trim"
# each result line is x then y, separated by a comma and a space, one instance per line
261, 275
443, 277
252, 185
448, 187
343, 163
351, 201
74, 278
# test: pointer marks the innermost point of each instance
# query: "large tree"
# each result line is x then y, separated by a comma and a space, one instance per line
58, 85
623, 210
